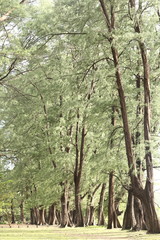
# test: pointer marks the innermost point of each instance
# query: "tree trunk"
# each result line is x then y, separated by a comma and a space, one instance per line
73, 216
58, 216
79, 215
89, 219
12, 212
151, 218
78, 173
138, 209
22, 218
42, 214
101, 220
111, 200
112, 205
129, 218
116, 222
64, 206
139, 216
32, 217
52, 215
36, 215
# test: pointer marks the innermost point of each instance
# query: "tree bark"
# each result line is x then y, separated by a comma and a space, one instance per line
101, 220
22, 218
139, 216
52, 215
58, 216
112, 205
64, 206
78, 173
42, 214
32, 218
12, 212
129, 218
138, 209
111, 200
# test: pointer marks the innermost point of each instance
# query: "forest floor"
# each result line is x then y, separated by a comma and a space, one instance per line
30, 232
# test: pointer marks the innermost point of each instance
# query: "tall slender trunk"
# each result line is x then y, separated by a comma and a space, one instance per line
149, 192
112, 214
101, 220
111, 200
138, 208
78, 173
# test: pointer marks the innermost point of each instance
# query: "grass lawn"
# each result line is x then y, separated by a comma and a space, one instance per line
55, 233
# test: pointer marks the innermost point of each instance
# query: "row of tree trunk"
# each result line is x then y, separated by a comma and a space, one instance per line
63, 216
134, 216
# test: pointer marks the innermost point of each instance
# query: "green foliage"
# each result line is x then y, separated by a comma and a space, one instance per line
55, 62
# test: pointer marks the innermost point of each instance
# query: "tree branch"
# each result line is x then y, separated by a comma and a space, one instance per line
9, 70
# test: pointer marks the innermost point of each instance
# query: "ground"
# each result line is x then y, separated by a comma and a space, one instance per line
24, 232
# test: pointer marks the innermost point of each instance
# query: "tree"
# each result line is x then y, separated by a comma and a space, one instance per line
137, 188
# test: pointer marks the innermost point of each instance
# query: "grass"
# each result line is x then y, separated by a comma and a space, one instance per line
87, 233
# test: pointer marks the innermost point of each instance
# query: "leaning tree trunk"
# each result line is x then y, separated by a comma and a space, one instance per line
145, 195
